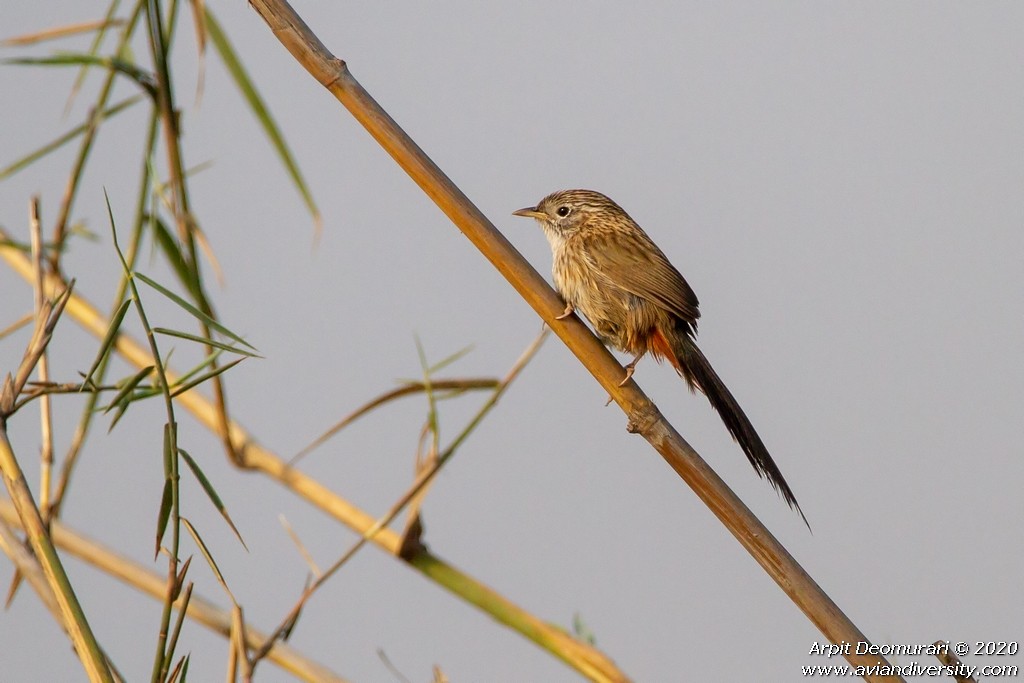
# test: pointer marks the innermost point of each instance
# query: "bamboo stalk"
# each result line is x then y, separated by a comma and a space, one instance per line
74, 621
643, 416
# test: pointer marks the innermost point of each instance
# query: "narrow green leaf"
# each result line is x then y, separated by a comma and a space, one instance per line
172, 643
211, 493
179, 670
128, 388
121, 410
67, 137
206, 553
172, 250
248, 89
286, 632
205, 341
179, 580
181, 389
108, 339
170, 447
122, 406
184, 669
163, 516
195, 312
206, 362
141, 77
117, 247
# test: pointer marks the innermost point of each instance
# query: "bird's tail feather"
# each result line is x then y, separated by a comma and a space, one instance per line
694, 367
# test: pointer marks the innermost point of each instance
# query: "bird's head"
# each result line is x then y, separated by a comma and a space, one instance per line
566, 212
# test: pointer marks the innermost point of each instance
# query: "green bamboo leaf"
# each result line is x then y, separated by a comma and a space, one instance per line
123, 394
184, 669
124, 403
186, 598
182, 388
179, 580
170, 448
163, 516
206, 553
180, 671
206, 362
117, 247
205, 341
167, 499
172, 250
195, 312
211, 493
108, 339
289, 626
141, 77
121, 410
260, 111
67, 137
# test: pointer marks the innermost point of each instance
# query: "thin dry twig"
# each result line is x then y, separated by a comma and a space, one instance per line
17, 325
60, 32
301, 547
409, 388
35, 390
45, 321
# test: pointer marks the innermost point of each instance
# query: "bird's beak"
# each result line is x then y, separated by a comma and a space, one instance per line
529, 212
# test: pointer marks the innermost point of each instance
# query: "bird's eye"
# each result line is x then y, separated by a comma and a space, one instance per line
563, 211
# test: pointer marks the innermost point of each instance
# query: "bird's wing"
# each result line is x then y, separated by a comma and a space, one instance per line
631, 261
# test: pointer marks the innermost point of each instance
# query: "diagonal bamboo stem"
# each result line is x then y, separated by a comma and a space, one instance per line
644, 417
74, 621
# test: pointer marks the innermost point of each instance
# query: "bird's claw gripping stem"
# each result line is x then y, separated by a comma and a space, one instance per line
630, 367
569, 310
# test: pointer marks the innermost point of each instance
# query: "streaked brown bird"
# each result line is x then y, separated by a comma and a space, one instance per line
607, 268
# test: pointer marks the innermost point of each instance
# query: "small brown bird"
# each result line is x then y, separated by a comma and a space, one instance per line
607, 268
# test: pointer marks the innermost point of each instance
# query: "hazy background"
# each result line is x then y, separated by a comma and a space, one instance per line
841, 183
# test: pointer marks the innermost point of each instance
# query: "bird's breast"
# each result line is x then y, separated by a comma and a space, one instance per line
607, 307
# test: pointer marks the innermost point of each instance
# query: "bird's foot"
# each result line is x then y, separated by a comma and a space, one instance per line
569, 310
629, 372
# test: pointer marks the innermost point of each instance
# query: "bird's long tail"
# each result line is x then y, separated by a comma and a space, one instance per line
691, 364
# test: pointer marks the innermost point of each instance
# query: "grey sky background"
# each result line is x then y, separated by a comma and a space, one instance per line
841, 183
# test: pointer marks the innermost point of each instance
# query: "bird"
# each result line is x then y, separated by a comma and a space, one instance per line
607, 268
